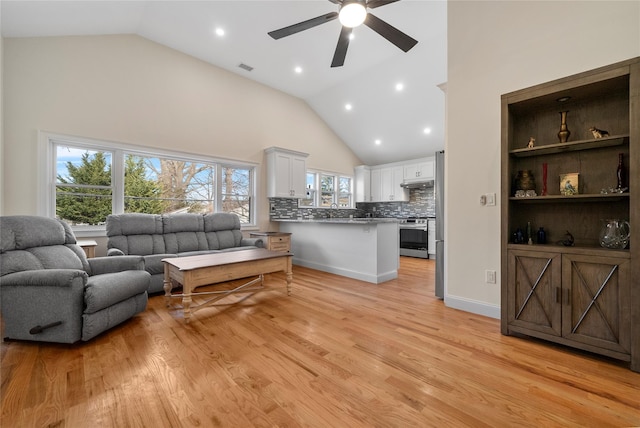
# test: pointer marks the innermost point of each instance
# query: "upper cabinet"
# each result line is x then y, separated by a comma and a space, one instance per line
363, 184
382, 183
420, 171
385, 185
286, 173
570, 158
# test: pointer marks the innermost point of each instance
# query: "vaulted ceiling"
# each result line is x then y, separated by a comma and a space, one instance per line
394, 96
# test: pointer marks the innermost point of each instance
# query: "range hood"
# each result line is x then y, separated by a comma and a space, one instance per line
418, 184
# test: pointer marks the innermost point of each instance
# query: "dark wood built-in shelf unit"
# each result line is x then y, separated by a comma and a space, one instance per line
583, 296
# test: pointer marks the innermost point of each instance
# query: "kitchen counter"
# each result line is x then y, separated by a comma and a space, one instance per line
362, 248
339, 220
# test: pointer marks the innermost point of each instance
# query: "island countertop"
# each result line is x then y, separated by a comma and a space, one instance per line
340, 220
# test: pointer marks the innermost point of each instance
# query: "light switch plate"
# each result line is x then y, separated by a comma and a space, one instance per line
491, 198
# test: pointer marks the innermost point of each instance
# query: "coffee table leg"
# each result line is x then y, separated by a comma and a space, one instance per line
186, 302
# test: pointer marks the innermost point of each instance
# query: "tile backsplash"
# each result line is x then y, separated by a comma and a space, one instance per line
421, 204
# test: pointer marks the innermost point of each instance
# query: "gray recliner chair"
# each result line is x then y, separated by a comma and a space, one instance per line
51, 292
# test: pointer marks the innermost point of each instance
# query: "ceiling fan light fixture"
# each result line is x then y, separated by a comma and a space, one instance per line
352, 13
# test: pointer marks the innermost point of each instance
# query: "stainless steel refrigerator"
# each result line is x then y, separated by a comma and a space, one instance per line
439, 196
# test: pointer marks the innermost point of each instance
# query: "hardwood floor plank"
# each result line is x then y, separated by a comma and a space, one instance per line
337, 352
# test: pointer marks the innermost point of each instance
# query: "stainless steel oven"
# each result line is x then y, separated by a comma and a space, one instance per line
414, 237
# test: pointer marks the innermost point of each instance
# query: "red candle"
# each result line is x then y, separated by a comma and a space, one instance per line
544, 179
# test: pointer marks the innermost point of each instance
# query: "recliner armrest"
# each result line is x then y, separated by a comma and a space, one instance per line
115, 252
43, 278
102, 265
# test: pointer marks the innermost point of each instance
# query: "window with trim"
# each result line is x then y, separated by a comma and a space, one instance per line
326, 189
93, 179
310, 197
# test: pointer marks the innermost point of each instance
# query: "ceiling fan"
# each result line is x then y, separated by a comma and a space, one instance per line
352, 13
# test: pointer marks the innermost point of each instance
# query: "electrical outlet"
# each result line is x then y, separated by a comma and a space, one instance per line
490, 276
483, 200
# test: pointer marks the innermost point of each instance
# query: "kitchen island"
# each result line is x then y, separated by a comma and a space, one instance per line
364, 249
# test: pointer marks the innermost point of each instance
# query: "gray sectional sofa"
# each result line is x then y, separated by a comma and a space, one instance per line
157, 237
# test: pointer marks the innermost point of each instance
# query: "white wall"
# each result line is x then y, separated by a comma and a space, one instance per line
128, 89
495, 47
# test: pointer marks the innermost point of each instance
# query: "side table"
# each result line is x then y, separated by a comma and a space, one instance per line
89, 247
274, 241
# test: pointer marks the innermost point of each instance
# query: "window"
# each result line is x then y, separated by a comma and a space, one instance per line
310, 199
333, 189
345, 193
94, 179
327, 190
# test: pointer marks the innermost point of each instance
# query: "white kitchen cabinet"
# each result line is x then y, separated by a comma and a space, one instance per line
286, 173
363, 184
419, 171
376, 189
385, 185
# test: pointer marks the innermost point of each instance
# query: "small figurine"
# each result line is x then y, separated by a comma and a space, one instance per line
532, 142
598, 133
569, 189
568, 240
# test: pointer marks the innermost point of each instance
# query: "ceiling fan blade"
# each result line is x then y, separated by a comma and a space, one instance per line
390, 33
304, 25
341, 48
340, 1
372, 4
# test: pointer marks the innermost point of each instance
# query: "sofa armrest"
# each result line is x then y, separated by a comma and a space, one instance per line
102, 265
44, 278
256, 242
115, 252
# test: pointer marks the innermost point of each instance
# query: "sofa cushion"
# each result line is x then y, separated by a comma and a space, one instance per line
51, 257
22, 232
106, 290
180, 242
185, 222
134, 224
153, 263
225, 239
138, 245
221, 221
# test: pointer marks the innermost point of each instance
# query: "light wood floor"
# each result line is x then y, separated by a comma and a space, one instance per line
336, 353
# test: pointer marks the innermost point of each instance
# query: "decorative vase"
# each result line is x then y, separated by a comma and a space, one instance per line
564, 132
542, 236
614, 234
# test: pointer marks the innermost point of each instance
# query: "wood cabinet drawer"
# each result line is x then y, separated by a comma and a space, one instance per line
275, 241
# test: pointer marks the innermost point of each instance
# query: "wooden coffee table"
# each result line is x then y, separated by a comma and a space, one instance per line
206, 269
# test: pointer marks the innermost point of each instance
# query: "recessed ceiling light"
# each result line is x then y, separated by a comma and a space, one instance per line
427, 130
399, 86
219, 32
348, 107
298, 69
378, 142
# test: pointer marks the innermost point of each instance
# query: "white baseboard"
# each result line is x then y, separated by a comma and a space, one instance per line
375, 279
473, 306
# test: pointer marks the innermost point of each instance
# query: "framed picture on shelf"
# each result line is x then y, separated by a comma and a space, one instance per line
569, 183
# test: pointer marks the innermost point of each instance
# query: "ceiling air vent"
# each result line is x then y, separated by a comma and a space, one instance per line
245, 67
